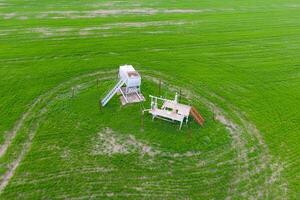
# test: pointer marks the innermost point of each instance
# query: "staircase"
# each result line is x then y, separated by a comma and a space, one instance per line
197, 117
111, 93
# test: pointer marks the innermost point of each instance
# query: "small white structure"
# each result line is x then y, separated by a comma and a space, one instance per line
132, 78
129, 86
172, 111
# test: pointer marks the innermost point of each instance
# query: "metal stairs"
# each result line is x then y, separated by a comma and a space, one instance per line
112, 92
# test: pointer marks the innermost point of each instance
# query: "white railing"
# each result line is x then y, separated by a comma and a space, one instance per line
112, 92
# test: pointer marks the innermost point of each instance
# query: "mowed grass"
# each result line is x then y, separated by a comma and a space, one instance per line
65, 151
247, 53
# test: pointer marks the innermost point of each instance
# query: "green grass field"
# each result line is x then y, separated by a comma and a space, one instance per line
238, 62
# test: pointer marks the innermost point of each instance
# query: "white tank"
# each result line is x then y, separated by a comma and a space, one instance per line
132, 78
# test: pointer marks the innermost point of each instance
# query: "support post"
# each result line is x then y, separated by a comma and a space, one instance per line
180, 125
180, 93
159, 88
100, 105
142, 121
73, 92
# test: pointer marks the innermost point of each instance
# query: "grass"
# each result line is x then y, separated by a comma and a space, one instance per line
71, 126
241, 56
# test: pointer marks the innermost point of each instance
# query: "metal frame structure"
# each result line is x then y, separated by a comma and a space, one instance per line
170, 111
131, 93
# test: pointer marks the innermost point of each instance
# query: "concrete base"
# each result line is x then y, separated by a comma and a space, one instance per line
132, 98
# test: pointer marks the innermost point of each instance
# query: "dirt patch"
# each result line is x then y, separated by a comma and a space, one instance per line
43, 31
246, 176
22, 18
147, 24
13, 166
185, 11
32, 129
242, 136
9, 15
74, 14
99, 30
10, 135
66, 153
109, 143
3, 5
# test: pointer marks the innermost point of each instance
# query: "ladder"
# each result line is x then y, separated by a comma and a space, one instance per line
112, 92
197, 117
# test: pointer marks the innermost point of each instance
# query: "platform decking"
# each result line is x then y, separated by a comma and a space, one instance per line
180, 108
167, 114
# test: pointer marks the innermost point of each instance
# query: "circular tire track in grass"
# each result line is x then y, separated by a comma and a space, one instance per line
31, 119
255, 177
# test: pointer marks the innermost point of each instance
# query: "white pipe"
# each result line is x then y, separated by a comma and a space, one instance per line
159, 98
